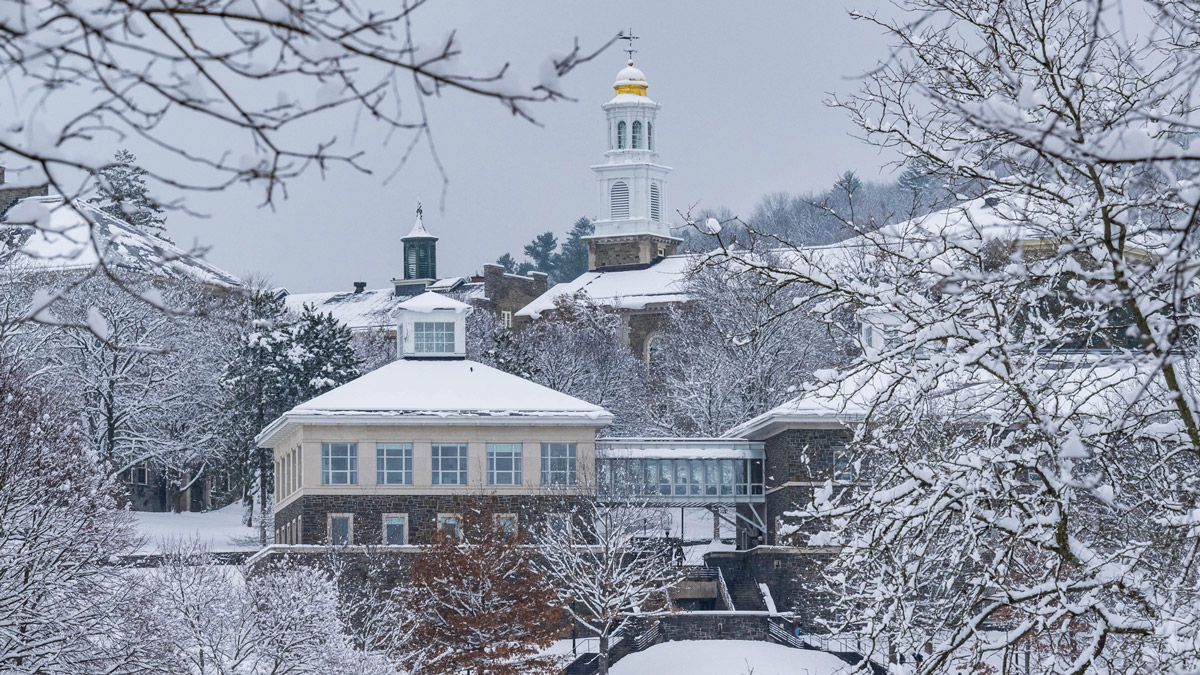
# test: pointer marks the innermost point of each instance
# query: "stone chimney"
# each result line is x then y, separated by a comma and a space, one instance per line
359, 287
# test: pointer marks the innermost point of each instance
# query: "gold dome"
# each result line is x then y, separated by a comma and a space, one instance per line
631, 81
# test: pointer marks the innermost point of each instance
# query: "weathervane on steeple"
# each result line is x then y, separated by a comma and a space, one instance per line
628, 38
420, 211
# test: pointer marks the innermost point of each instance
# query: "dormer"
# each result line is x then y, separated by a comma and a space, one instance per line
432, 326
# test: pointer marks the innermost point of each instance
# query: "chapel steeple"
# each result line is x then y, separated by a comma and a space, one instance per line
632, 228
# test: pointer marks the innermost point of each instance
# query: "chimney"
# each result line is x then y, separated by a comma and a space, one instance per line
359, 287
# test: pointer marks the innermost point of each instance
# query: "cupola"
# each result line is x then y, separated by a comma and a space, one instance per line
432, 326
420, 258
631, 80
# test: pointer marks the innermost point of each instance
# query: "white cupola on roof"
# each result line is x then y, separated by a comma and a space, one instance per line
432, 326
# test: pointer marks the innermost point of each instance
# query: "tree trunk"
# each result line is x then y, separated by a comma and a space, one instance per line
603, 660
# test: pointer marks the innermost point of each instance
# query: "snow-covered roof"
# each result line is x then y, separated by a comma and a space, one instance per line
62, 241
418, 230
431, 302
1078, 388
445, 392
687, 448
660, 283
370, 309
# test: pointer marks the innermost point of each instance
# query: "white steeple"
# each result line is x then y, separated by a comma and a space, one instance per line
630, 184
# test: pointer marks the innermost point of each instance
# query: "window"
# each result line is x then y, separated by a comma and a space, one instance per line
139, 474
433, 337
650, 135
637, 135
449, 463
621, 135
655, 206
339, 463
503, 463
619, 200
842, 469
558, 522
506, 317
558, 463
341, 529
393, 463
507, 523
395, 529
450, 522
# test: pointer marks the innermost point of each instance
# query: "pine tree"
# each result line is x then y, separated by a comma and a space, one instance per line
572, 261
123, 194
280, 363
540, 252
506, 261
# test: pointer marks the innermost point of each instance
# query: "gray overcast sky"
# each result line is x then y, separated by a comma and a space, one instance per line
741, 86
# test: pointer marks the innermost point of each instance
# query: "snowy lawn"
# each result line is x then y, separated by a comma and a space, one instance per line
728, 657
220, 530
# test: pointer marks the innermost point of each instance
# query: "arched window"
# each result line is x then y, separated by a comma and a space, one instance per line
621, 135
655, 203
637, 135
619, 200
650, 135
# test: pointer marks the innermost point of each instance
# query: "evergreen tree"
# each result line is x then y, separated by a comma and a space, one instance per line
540, 252
321, 354
573, 260
280, 362
506, 261
122, 194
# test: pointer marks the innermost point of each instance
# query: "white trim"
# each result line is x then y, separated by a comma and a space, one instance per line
329, 528
383, 528
284, 424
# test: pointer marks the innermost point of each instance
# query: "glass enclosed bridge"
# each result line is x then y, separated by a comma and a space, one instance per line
721, 474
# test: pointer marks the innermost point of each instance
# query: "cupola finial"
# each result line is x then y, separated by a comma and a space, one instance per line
628, 38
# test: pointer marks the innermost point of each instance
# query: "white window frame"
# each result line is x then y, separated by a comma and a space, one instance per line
433, 337
506, 451
506, 318
552, 518
436, 460
349, 528
328, 472
383, 460
549, 456
501, 517
384, 530
456, 517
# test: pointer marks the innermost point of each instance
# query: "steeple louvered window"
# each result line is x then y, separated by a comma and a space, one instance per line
621, 135
649, 135
619, 200
637, 135
655, 203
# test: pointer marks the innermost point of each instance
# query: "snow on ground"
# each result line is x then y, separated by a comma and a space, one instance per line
728, 657
219, 530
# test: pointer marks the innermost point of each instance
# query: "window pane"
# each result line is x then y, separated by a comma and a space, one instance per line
393, 531
697, 486
558, 463
711, 479
433, 337
339, 530
504, 463
727, 476
681, 476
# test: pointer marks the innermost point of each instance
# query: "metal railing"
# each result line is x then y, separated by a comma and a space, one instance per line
825, 643
725, 590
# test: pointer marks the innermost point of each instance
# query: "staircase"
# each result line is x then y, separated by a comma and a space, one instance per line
745, 595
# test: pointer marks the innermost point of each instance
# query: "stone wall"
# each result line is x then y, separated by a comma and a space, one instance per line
798, 461
622, 251
11, 193
422, 510
641, 326
510, 292
792, 575
714, 626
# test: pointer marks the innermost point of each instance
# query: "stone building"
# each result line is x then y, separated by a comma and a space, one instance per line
399, 452
633, 266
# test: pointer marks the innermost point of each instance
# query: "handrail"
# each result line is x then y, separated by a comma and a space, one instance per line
725, 590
